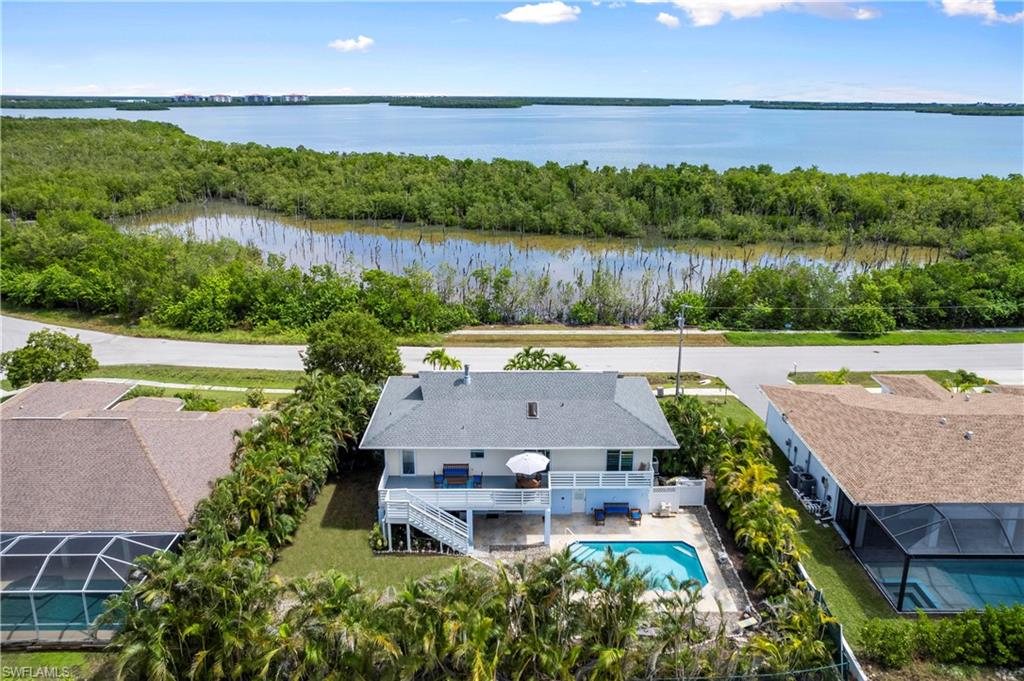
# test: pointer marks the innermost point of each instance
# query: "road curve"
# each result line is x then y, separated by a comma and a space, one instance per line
743, 369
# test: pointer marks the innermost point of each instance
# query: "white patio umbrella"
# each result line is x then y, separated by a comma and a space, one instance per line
527, 463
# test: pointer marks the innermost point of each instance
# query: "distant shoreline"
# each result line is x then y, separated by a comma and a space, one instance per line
13, 102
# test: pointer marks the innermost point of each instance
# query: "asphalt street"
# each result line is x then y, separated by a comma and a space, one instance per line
743, 369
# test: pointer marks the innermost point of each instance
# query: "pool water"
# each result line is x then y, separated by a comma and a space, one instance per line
661, 558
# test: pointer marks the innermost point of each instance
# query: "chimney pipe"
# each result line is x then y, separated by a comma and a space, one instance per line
465, 374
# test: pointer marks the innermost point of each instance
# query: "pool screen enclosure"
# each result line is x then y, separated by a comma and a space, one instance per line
53, 583
941, 557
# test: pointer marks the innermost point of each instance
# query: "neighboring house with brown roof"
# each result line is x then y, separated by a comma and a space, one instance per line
915, 472
139, 465
88, 484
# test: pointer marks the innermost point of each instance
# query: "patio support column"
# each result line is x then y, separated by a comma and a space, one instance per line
408, 537
903, 583
547, 527
390, 547
469, 527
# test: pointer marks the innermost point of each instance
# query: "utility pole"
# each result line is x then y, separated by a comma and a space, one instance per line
679, 357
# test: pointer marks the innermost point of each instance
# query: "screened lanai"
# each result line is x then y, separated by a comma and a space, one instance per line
944, 557
53, 584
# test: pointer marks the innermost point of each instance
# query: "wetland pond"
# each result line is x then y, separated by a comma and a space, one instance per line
352, 246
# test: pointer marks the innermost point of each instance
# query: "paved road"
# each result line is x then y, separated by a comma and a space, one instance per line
743, 369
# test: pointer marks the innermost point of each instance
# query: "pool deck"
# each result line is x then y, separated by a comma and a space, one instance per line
527, 530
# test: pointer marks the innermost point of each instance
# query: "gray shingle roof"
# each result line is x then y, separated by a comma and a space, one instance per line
576, 410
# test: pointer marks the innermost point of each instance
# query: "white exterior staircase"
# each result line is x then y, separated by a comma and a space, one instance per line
427, 518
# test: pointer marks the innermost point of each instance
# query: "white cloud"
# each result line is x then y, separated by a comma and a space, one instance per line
666, 19
555, 12
986, 9
711, 12
358, 44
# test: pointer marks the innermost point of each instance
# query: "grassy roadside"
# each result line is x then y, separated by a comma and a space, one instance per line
772, 338
333, 535
689, 379
116, 325
582, 340
164, 373
864, 377
536, 335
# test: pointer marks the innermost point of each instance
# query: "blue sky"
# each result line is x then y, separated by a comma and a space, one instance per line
935, 50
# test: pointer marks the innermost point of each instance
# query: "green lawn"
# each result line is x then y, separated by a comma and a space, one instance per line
754, 338
73, 665
849, 592
864, 377
241, 378
334, 535
730, 408
580, 340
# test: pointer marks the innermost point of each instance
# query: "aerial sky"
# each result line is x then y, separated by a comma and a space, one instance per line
928, 50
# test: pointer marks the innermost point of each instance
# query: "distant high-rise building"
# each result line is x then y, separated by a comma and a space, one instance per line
295, 98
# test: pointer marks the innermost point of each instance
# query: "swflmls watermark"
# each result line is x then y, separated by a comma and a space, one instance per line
27, 672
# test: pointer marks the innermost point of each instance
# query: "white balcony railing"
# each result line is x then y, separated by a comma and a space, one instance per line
566, 479
475, 499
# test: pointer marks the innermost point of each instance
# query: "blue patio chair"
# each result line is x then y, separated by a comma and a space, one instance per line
599, 516
438, 480
478, 481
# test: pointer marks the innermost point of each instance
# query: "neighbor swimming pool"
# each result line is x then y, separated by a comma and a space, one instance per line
662, 558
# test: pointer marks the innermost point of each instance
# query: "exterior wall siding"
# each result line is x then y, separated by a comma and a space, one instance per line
429, 461
798, 453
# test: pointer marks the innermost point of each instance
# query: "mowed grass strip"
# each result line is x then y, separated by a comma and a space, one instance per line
334, 535
776, 338
238, 378
581, 340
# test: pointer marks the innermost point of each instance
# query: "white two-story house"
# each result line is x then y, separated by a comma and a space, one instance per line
447, 437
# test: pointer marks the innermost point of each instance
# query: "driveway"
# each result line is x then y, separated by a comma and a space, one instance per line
743, 369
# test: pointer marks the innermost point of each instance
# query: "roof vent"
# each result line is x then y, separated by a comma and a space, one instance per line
969, 435
942, 420
532, 410
967, 397
466, 378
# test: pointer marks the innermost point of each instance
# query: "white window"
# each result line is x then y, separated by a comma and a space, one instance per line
408, 462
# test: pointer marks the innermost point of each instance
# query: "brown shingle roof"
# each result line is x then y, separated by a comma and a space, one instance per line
893, 449
150, 404
912, 385
1006, 389
55, 399
111, 469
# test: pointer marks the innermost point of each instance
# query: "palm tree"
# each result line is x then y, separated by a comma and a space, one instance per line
438, 358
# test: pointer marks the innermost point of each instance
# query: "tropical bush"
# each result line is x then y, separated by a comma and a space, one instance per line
47, 356
745, 486
352, 343
193, 401
538, 359
993, 636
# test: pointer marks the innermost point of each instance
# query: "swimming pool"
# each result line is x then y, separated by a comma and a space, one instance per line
663, 558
